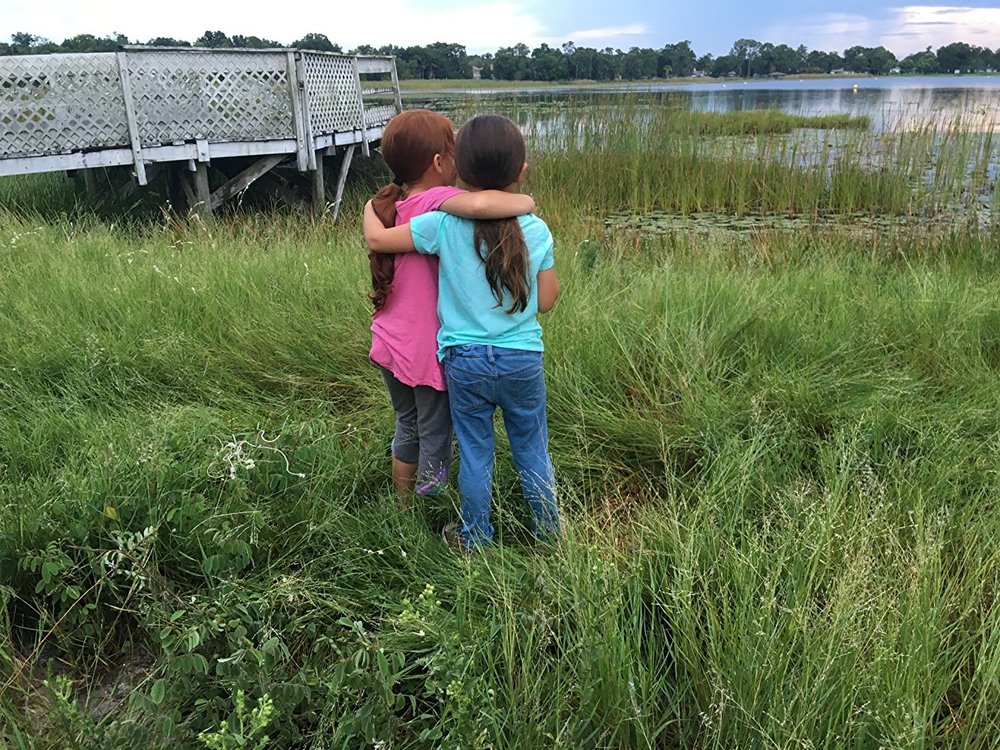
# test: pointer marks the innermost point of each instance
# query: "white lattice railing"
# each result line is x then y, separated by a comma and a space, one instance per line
55, 103
142, 99
215, 96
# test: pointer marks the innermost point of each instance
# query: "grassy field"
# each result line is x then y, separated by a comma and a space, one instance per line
778, 454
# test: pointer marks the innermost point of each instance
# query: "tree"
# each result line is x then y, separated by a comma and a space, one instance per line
484, 62
725, 66
745, 51
606, 65
882, 61
214, 39
784, 59
438, 60
823, 62
763, 62
449, 60
583, 63
22, 42
548, 64
612, 59
639, 63
873, 60
316, 41
511, 63
91, 43
254, 42
676, 60
920, 63
167, 41
960, 57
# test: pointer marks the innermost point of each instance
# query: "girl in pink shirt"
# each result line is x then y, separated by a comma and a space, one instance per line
419, 146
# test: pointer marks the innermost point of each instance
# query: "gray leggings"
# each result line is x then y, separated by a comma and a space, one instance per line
423, 431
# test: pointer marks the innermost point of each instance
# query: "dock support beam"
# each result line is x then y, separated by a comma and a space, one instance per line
204, 195
245, 178
318, 184
342, 179
90, 181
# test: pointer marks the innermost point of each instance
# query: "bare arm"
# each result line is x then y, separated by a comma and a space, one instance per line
548, 289
489, 204
382, 239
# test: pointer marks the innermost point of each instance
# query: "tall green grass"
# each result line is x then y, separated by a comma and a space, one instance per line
30, 194
777, 455
646, 153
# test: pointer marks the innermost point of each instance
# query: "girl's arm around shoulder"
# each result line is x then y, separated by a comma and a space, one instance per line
488, 204
537, 234
548, 289
382, 239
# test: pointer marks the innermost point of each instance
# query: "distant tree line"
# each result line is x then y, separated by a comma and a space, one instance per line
747, 58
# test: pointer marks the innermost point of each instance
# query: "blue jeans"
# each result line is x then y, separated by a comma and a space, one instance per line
481, 378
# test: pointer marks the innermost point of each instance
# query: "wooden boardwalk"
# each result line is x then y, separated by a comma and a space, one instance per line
179, 111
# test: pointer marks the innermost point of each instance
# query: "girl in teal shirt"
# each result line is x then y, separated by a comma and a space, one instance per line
494, 278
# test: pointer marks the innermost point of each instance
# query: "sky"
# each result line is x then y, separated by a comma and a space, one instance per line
711, 26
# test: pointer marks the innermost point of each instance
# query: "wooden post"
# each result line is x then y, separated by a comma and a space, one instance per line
296, 90
318, 184
204, 195
395, 89
133, 127
90, 181
342, 179
185, 180
361, 109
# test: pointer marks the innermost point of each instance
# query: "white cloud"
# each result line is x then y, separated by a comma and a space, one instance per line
480, 25
902, 30
916, 27
607, 33
828, 32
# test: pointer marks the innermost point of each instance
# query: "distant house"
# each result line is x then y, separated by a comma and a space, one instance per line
775, 74
477, 72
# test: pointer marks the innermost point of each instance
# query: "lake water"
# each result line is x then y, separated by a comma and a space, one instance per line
894, 104
891, 102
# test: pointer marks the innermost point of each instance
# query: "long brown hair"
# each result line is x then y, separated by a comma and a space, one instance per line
409, 143
489, 154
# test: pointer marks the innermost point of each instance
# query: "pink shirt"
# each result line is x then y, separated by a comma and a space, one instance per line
404, 331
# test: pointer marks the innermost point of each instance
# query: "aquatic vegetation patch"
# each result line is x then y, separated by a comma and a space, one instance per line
723, 224
762, 122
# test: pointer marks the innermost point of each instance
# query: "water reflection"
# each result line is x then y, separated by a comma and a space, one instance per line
892, 103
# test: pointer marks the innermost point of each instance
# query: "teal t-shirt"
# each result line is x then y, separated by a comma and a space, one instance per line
467, 309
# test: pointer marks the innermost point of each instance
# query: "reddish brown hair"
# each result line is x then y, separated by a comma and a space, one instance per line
409, 143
